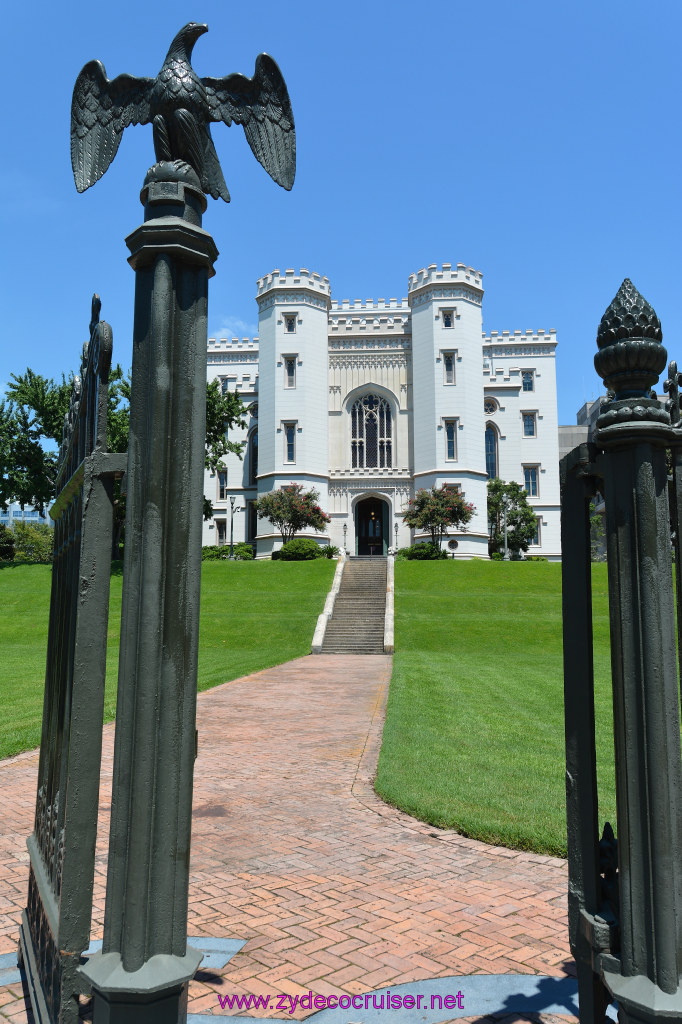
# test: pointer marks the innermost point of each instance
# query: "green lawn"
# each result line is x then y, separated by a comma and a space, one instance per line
253, 615
474, 736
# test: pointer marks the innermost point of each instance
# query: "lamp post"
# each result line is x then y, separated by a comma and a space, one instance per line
505, 506
345, 532
232, 512
395, 527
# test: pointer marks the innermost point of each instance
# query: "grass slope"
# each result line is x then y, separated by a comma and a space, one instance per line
474, 736
253, 615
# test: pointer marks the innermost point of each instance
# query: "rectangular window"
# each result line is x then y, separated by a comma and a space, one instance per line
223, 385
448, 316
535, 541
529, 424
528, 379
289, 442
222, 485
222, 531
448, 367
290, 371
450, 427
530, 481
290, 323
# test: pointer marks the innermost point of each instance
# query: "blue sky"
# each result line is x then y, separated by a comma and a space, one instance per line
536, 141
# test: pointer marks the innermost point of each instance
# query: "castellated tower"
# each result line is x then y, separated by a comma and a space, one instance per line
447, 399
293, 431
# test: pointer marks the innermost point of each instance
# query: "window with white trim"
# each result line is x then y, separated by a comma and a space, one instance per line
448, 318
290, 371
222, 485
535, 539
371, 425
531, 481
450, 430
222, 531
289, 431
528, 380
529, 424
290, 323
490, 451
449, 367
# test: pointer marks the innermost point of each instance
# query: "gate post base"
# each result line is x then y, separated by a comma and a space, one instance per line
154, 994
640, 1001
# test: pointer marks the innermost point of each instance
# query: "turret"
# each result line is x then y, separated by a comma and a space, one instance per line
449, 428
293, 310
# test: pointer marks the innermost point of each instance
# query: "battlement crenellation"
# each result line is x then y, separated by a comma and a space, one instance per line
433, 274
291, 278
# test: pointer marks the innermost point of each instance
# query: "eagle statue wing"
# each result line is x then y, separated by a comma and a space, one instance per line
261, 105
100, 110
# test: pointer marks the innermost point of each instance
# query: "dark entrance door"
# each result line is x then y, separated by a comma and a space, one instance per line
371, 519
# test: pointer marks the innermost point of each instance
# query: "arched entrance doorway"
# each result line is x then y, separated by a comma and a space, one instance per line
371, 527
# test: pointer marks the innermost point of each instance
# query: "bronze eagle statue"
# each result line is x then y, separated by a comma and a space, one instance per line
180, 105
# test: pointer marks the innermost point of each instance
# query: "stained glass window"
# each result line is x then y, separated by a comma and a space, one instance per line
371, 433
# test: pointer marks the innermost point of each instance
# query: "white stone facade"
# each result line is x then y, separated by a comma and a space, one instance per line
368, 401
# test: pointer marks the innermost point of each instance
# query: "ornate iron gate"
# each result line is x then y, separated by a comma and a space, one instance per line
625, 894
55, 927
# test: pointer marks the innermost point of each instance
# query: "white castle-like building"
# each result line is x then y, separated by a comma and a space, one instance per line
369, 401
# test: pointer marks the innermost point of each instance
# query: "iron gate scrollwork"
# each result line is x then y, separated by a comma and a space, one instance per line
55, 927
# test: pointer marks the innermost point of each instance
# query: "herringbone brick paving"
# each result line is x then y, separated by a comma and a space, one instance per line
292, 851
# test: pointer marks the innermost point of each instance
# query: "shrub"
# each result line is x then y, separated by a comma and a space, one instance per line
497, 556
535, 558
33, 542
243, 552
331, 551
211, 551
422, 552
300, 549
6, 544
276, 555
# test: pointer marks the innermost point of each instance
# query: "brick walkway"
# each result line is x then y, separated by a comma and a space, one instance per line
332, 890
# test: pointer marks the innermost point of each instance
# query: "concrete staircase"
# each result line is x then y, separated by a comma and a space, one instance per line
357, 623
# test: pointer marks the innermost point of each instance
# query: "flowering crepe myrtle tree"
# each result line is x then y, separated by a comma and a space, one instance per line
436, 510
291, 509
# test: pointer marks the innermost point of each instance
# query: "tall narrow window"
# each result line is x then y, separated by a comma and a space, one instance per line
253, 465
290, 323
530, 479
450, 440
448, 367
491, 452
535, 540
528, 379
290, 442
448, 317
222, 485
222, 531
371, 433
290, 371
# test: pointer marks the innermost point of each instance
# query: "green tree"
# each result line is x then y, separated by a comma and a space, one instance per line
291, 509
436, 510
35, 414
6, 544
521, 521
224, 412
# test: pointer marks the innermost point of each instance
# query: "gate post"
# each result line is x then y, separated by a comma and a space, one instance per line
633, 431
144, 968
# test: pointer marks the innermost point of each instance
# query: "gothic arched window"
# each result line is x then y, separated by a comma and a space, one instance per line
371, 433
490, 451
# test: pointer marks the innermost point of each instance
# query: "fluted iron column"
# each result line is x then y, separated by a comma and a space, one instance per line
634, 430
145, 965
